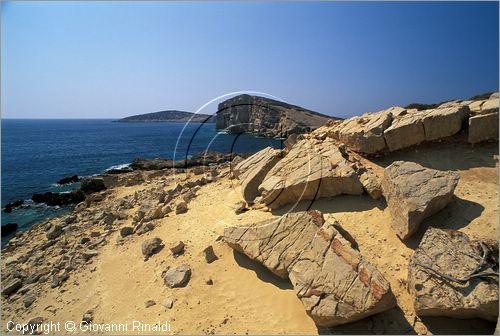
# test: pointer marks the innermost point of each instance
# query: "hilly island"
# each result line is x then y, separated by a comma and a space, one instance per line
250, 114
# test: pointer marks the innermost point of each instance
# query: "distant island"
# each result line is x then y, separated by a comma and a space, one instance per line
168, 116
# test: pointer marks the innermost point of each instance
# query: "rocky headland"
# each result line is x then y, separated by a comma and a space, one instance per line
266, 117
386, 223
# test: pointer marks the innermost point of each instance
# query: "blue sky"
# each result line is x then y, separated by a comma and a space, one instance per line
113, 59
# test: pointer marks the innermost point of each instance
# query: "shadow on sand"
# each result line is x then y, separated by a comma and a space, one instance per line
390, 322
341, 203
261, 271
446, 156
456, 215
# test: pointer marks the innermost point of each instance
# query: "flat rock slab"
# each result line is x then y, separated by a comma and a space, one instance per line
252, 171
453, 254
311, 170
414, 193
334, 282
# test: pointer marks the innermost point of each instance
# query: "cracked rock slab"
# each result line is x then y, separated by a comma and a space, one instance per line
414, 193
252, 171
312, 169
365, 134
332, 279
453, 254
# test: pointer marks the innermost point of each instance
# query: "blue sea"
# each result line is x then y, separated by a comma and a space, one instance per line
37, 153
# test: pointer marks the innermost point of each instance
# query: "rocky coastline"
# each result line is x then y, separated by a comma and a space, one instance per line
383, 223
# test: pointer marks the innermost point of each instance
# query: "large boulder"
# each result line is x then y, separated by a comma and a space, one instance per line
405, 131
334, 282
91, 185
365, 134
252, 171
443, 122
446, 254
311, 170
414, 193
483, 127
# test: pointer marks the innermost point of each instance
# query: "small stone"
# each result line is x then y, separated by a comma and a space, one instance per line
29, 299
177, 247
209, 254
35, 325
168, 303
87, 317
149, 303
240, 207
89, 254
54, 232
84, 240
181, 208
210, 282
126, 231
12, 286
178, 276
95, 234
151, 246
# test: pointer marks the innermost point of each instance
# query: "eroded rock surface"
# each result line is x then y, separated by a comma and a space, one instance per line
414, 193
334, 282
311, 170
483, 127
453, 254
252, 171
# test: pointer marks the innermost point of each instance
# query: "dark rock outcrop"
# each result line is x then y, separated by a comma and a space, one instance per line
59, 199
92, 184
266, 117
9, 229
69, 180
11, 206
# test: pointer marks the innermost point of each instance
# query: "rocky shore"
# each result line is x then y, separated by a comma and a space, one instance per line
383, 224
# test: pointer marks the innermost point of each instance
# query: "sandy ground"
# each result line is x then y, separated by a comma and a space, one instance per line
245, 297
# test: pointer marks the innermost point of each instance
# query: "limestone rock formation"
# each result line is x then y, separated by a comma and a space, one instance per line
252, 171
483, 127
365, 133
454, 255
311, 170
414, 193
266, 117
334, 282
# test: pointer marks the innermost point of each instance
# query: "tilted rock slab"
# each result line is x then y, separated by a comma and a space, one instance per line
312, 169
252, 171
414, 193
453, 254
334, 282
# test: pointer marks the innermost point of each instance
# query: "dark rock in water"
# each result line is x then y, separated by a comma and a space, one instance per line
60, 199
69, 180
10, 206
9, 229
115, 171
203, 158
92, 184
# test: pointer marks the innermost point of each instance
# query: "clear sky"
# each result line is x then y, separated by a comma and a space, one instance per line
113, 59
